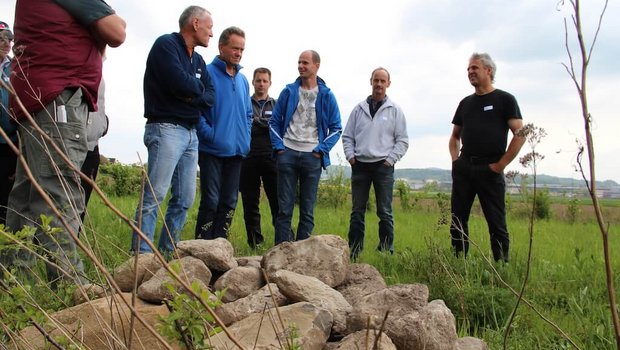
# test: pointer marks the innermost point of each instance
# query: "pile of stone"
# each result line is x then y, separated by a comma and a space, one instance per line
305, 292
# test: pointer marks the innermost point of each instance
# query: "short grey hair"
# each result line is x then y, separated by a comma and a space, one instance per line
190, 13
487, 62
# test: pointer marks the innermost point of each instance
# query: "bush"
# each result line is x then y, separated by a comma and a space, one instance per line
543, 204
333, 191
116, 179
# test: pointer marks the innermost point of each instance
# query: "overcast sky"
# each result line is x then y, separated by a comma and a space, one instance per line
424, 44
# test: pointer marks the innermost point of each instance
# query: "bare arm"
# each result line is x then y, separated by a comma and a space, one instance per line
513, 148
110, 30
454, 145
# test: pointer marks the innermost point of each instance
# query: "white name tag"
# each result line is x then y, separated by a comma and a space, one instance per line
198, 75
268, 112
488, 108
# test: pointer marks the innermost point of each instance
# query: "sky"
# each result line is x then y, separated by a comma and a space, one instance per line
425, 45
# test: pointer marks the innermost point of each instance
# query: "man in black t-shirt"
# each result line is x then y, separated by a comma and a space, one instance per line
481, 125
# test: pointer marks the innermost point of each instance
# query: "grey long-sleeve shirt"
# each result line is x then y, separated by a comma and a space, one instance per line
383, 137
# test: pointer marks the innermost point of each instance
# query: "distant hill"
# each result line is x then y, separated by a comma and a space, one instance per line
442, 175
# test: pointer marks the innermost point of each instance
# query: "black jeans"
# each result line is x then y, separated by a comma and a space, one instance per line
254, 170
8, 162
219, 189
90, 168
472, 176
381, 177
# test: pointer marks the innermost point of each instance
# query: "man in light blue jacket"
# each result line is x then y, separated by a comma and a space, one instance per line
304, 127
224, 138
374, 139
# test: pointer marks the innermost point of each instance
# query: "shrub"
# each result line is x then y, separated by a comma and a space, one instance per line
333, 191
116, 179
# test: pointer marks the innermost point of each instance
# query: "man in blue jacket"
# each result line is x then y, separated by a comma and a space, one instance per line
224, 135
177, 91
304, 127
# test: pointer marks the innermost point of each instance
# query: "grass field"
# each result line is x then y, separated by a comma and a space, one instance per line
566, 285
566, 290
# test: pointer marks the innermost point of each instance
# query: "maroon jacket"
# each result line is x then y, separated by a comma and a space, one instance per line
53, 51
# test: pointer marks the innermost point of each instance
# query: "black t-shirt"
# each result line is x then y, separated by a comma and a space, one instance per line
484, 122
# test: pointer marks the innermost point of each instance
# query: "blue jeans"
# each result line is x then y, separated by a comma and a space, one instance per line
219, 190
382, 179
172, 163
303, 168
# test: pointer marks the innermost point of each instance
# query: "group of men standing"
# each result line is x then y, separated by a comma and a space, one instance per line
200, 114
241, 140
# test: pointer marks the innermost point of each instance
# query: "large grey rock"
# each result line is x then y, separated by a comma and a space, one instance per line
191, 270
400, 299
361, 280
239, 282
125, 274
297, 288
99, 324
325, 257
257, 302
306, 324
471, 343
432, 328
217, 254
364, 340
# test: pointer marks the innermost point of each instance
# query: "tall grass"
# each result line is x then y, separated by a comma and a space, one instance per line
567, 282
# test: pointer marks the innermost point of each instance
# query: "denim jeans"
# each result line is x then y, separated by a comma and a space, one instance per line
471, 179
254, 170
172, 163
219, 190
296, 167
381, 177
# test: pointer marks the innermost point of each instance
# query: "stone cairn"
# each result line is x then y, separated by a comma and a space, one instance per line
309, 286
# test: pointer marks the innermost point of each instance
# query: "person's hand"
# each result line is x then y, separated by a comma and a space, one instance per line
496, 168
316, 154
352, 161
386, 163
280, 151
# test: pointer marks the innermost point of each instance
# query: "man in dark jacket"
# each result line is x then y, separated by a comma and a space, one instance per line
259, 164
177, 91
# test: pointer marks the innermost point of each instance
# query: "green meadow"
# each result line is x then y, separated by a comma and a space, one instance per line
565, 300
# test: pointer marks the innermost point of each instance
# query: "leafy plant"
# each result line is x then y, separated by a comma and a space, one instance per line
188, 323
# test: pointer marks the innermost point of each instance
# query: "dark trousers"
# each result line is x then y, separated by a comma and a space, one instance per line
90, 168
219, 190
381, 177
470, 177
8, 162
254, 170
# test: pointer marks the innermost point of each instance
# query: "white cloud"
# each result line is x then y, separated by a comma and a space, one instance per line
424, 44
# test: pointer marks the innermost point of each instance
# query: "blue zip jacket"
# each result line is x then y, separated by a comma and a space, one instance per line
224, 130
327, 115
177, 87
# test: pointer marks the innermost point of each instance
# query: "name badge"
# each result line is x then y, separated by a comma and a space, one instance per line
488, 108
268, 112
198, 75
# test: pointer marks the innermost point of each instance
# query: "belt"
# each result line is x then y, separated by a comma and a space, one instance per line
476, 160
